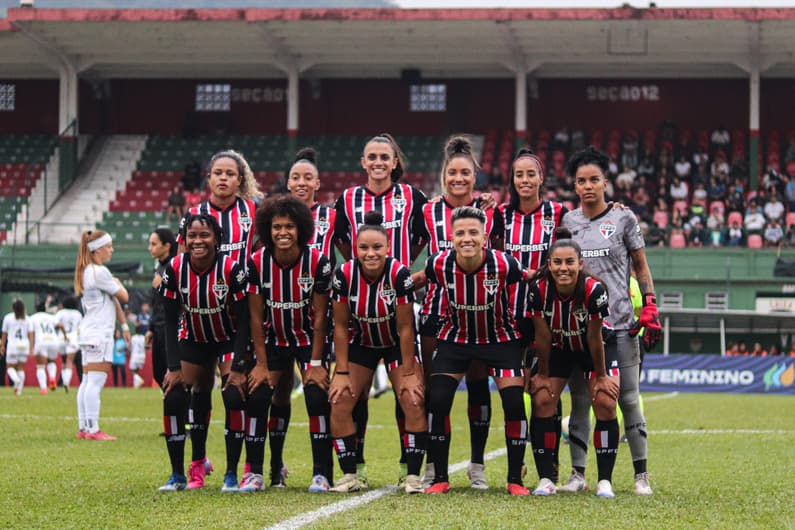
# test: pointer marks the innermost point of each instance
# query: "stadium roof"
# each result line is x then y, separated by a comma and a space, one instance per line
373, 42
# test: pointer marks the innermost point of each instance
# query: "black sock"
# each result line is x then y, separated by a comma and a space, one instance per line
257, 427
479, 402
345, 448
640, 466
317, 408
542, 436
361, 412
414, 446
515, 431
440, 400
605, 441
234, 426
175, 408
277, 432
199, 418
400, 419
558, 430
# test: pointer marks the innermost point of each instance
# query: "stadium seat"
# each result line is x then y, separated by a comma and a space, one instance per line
678, 240
755, 241
789, 220
660, 218
735, 217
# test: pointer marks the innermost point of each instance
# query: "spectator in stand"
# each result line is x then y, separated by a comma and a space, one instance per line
715, 218
194, 197
646, 167
733, 350
739, 169
678, 190
774, 351
720, 138
758, 350
790, 236
495, 177
716, 190
742, 349
699, 235
654, 236
701, 174
640, 201
774, 209
612, 168
734, 235
773, 179
682, 167
716, 234
774, 234
561, 139
789, 192
735, 200
789, 154
700, 157
143, 318
629, 158
684, 148
700, 194
719, 165
119, 360
192, 176
761, 198
697, 212
792, 350
176, 203
625, 179
577, 140
755, 221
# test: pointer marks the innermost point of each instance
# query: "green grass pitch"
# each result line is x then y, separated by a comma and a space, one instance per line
716, 461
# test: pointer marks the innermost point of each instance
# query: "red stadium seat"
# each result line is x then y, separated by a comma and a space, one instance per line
660, 218
678, 240
735, 217
717, 205
789, 220
755, 241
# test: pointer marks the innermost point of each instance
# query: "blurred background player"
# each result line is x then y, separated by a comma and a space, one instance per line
289, 284
400, 206
373, 298
119, 360
611, 244
68, 320
102, 295
45, 348
568, 307
137, 359
207, 317
17, 344
162, 247
458, 183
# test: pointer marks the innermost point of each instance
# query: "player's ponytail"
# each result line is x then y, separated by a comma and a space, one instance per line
19, 309
373, 220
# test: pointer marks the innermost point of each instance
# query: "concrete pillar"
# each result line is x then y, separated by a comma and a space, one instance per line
292, 101
520, 118
753, 126
67, 104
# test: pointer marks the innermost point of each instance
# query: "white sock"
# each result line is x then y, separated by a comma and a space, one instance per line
52, 370
41, 376
380, 377
13, 375
81, 404
96, 380
66, 376
138, 381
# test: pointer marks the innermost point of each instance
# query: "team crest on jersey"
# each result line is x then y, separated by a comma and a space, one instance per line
580, 314
388, 294
398, 203
220, 289
244, 221
607, 229
491, 283
547, 224
322, 226
306, 282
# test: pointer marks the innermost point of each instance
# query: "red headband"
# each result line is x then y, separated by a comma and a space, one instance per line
534, 158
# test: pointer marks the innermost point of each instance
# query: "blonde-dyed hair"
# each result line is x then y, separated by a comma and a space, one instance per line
84, 257
249, 188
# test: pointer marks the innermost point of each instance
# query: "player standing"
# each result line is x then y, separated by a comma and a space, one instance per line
45, 348
68, 320
17, 344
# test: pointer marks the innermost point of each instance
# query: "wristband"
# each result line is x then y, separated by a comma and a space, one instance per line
125, 327
649, 299
341, 373
315, 363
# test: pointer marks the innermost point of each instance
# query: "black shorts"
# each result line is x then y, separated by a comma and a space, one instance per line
281, 358
562, 362
429, 325
503, 359
204, 353
369, 357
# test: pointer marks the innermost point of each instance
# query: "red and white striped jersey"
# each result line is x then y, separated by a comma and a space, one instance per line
568, 324
373, 304
401, 207
325, 218
528, 237
437, 221
287, 294
237, 223
476, 303
206, 297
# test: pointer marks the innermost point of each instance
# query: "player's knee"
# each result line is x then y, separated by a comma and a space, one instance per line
604, 407
233, 398
316, 400
175, 403
629, 401
513, 402
258, 401
441, 392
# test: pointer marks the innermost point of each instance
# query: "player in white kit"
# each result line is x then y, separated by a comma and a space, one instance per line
17, 344
45, 347
137, 358
101, 294
68, 320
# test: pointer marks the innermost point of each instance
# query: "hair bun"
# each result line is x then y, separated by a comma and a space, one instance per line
562, 232
373, 217
306, 153
525, 151
458, 145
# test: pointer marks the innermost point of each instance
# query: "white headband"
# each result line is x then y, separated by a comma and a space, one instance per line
99, 242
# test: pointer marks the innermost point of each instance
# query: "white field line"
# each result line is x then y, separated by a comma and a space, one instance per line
308, 518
